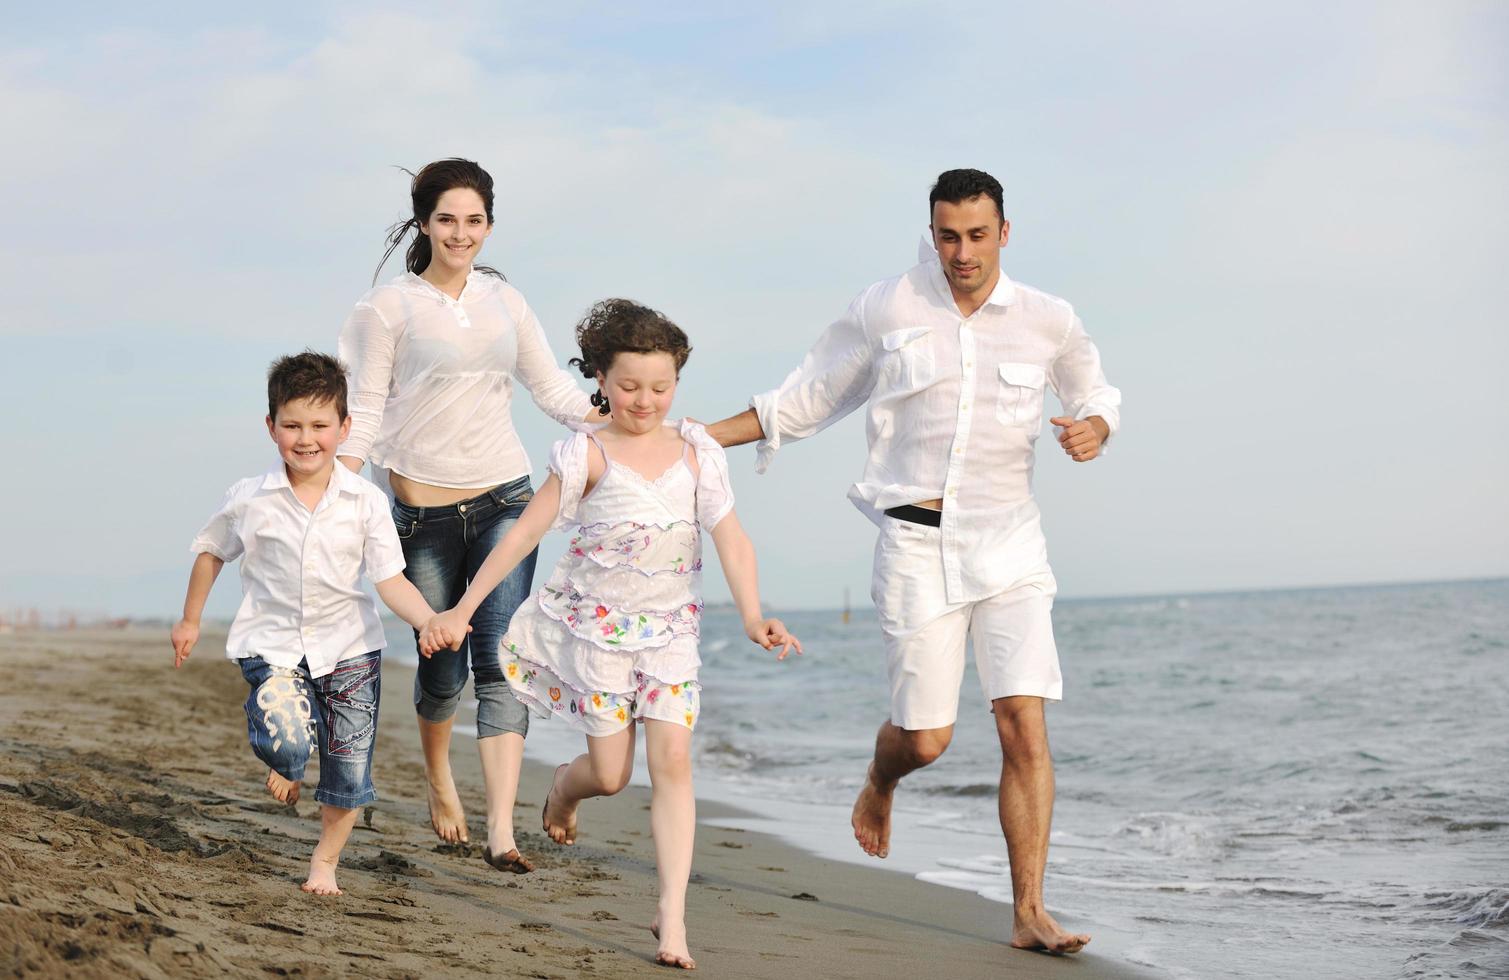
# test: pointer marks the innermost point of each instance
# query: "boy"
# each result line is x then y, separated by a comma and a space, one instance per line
306, 635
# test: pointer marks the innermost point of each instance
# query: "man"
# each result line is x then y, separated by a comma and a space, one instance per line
951, 359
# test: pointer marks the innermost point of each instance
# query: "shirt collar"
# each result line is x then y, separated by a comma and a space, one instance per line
341, 481
1003, 295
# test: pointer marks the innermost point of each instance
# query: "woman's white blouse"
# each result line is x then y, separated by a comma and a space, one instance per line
431, 380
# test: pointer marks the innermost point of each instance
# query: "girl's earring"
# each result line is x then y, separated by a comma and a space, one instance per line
601, 401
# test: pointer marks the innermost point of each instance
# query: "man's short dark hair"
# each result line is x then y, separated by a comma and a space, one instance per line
958, 186
312, 375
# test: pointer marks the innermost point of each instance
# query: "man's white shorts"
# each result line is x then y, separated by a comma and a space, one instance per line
925, 635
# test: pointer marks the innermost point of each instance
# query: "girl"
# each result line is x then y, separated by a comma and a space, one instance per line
611, 639
433, 356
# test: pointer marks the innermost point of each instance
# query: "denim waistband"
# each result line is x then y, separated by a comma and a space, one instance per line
510, 494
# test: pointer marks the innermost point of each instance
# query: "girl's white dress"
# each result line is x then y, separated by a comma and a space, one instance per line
614, 630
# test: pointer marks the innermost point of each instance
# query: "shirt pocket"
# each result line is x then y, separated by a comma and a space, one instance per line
1019, 398
909, 357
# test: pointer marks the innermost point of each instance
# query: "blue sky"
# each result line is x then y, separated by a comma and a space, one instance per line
1285, 226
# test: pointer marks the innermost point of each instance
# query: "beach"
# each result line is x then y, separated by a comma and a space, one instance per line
137, 839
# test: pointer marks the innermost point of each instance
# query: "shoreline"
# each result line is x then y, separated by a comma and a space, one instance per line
136, 839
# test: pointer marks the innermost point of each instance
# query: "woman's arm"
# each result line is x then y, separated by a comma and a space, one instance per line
366, 347
553, 389
737, 555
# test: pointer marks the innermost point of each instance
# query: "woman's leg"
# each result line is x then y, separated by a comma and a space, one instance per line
602, 770
673, 819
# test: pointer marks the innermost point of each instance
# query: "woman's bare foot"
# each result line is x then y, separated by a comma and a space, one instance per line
446, 815
321, 876
283, 790
560, 831
672, 951
1036, 929
872, 817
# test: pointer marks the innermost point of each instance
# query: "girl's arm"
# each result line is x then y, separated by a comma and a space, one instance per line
520, 540
737, 555
201, 579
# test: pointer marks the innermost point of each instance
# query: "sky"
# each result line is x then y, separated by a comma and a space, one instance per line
1284, 225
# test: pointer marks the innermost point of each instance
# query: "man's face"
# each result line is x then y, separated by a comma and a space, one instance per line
969, 237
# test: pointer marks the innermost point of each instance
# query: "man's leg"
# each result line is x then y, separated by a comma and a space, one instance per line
1026, 803
897, 753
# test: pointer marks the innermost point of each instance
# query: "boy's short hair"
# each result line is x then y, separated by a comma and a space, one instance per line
312, 375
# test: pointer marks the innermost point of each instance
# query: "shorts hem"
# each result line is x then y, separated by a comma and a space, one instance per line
920, 723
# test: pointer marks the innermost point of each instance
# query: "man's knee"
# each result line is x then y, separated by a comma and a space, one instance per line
925, 746
1022, 728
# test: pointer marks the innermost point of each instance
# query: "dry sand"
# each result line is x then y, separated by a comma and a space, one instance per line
136, 839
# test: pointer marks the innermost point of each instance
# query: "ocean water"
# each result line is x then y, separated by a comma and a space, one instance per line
1306, 783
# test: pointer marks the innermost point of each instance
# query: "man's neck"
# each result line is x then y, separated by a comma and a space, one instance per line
969, 303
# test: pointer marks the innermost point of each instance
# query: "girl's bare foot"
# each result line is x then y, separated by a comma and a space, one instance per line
1036, 929
672, 951
283, 790
872, 818
446, 815
321, 876
560, 831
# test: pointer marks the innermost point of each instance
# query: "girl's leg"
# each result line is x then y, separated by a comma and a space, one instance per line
502, 720
602, 770
673, 819
335, 827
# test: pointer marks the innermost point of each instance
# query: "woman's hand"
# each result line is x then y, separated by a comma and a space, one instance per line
772, 633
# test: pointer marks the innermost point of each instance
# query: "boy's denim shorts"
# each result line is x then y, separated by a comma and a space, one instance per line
288, 713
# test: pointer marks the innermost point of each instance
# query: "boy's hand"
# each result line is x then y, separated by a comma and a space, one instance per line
772, 633
185, 634
445, 631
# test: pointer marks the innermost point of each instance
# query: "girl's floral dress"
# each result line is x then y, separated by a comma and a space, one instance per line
612, 636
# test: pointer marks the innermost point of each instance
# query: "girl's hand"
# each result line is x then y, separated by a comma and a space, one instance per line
445, 631
772, 633
185, 634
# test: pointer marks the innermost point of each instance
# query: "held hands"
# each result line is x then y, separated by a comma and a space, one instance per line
444, 631
1081, 440
771, 633
185, 634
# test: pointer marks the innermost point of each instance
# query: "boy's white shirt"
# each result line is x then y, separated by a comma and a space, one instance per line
301, 571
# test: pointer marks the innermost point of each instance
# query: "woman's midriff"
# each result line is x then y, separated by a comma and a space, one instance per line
417, 494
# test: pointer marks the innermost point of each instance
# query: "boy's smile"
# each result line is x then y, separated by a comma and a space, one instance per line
307, 434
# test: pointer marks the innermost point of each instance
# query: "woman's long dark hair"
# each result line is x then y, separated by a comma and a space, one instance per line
433, 180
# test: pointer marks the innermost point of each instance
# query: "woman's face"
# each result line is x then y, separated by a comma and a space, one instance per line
457, 229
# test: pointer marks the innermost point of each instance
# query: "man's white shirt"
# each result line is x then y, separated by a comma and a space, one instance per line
955, 405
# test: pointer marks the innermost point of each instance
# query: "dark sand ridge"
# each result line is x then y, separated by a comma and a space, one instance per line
136, 839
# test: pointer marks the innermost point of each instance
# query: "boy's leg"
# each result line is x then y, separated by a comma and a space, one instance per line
280, 723
335, 827
502, 720
347, 699
673, 820
602, 770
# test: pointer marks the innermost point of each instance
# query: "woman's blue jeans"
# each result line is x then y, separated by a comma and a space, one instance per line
444, 547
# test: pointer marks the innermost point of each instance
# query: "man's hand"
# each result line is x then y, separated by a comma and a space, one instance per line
185, 634
771, 633
1081, 440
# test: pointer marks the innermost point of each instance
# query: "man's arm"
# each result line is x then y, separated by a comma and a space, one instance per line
736, 430
1082, 440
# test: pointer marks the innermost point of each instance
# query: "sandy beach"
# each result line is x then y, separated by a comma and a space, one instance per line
136, 839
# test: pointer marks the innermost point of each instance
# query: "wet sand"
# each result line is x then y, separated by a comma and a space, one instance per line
137, 840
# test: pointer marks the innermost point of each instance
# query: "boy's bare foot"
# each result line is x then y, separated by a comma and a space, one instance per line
321, 877
672, 951
283, 790
872, 817
446, 815
560, 831
1036, 929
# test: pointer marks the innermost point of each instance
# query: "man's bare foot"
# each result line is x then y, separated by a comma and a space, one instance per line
1036, 929
446, 815
672, 951
283, 790
872, 817
560, 831
321, 877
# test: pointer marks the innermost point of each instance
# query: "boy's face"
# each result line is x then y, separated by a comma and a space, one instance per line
307, 433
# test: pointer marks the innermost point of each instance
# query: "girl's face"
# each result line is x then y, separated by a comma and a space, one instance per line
639, 389
457, 230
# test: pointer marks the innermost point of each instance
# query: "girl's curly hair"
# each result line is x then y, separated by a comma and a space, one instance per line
615, 326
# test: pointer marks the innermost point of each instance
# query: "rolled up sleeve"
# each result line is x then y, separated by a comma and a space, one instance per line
1076, 377
382, 552
219, 537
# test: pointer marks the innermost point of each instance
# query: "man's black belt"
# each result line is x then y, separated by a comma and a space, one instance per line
915, 514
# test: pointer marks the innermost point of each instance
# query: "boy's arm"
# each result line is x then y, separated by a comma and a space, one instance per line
201, 579
520, 540
737, 556
400, 595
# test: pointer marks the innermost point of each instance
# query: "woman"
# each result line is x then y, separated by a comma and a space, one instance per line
433, 355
